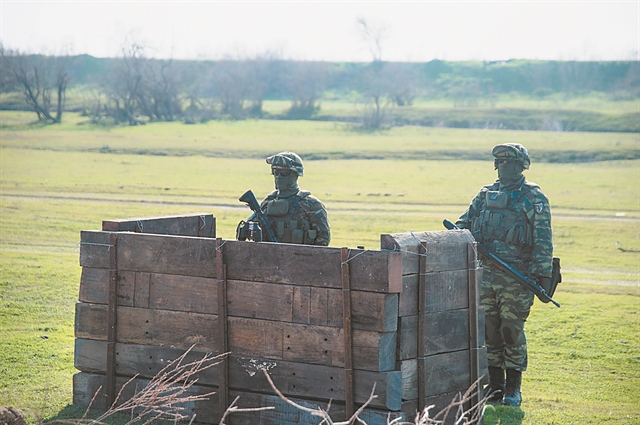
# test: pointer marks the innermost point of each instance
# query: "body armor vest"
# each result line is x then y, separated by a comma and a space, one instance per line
503, 224
288, 219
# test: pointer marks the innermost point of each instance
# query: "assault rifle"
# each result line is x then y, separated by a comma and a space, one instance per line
522, 279
258, 222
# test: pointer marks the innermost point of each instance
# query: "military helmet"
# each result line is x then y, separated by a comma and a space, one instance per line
287, 160
512, 151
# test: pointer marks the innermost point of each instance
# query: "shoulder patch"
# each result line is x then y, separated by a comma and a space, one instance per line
539, 207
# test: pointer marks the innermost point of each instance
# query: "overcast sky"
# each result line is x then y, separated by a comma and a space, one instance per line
326, 30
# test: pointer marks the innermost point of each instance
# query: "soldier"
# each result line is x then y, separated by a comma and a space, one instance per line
296, 216
511, 217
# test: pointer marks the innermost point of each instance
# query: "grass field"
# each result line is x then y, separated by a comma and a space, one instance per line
58, 180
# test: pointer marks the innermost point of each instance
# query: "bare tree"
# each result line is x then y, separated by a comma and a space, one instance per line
229, 87
306, 82
125, 85
375, 82
373, 36
42, 79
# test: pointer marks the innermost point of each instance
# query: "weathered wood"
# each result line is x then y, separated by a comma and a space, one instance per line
474, 326
85, 385
292, 378
181, 255
439, 402
443, 373
223, 328
421, 352
374, 271
348, 341
446, 290
442, 332
408, 298
95, 249
199, 224
271, 301
252, 337
112, 305
446, 250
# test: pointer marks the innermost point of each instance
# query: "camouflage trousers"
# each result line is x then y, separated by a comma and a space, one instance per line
507, 306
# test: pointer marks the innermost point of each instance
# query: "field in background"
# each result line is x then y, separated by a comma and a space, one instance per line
58, 180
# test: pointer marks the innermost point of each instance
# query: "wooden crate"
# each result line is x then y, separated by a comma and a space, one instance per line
330, 322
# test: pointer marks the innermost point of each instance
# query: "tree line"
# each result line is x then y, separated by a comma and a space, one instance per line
134, 88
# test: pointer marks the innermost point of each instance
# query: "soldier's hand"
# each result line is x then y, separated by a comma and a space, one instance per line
545, 282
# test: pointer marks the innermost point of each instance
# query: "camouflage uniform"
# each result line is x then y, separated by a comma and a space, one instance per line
512, 217
296, 216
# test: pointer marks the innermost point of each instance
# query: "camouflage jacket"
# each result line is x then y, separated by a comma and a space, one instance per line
514, 224
298, 218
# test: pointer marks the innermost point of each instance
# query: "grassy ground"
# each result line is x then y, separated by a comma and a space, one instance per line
58, 180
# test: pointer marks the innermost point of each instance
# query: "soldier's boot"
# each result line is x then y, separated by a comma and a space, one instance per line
495, 389
512, 394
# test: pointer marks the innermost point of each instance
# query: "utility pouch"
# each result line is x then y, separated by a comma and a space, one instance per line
311, 237
556, 277
277, 208
296, 236
496, 199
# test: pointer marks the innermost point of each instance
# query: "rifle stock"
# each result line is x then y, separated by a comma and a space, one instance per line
522, 279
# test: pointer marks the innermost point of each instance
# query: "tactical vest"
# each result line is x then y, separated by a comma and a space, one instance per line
503, 224
288, 219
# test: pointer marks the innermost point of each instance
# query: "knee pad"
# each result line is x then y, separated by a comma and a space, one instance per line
493, 333
513, 332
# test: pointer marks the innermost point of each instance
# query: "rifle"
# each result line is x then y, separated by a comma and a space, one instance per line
523, 280
256, 223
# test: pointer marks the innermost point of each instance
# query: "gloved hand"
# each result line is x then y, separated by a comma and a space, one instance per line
545, 282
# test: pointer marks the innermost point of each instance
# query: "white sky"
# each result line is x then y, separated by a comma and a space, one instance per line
327, 30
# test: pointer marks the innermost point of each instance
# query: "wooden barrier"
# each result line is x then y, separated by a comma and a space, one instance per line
326, 322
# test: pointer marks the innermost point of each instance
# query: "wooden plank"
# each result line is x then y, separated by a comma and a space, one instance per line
197, 224
474, 326
371, 311
348, 341
446, 250
443, 373
95, 249
85, 385
252, 337
446, 290
147, 326
408, 298
443, 331
292, 378
374, 271
94, 285
422, 271
223, 328
179, 255
437, 402
112, 305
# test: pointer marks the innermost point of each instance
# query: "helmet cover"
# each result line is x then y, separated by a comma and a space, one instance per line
288, 160
512, 151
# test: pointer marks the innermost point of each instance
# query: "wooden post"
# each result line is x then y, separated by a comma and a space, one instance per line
348, 348
474, 351
223, 328
422, 302
112, 321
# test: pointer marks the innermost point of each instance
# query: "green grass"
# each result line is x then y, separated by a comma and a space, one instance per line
55, 181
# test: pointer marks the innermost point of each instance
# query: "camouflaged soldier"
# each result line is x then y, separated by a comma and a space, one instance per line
511, 217
296, 216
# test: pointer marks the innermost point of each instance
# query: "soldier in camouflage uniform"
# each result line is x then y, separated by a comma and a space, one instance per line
511, 217
296, 216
